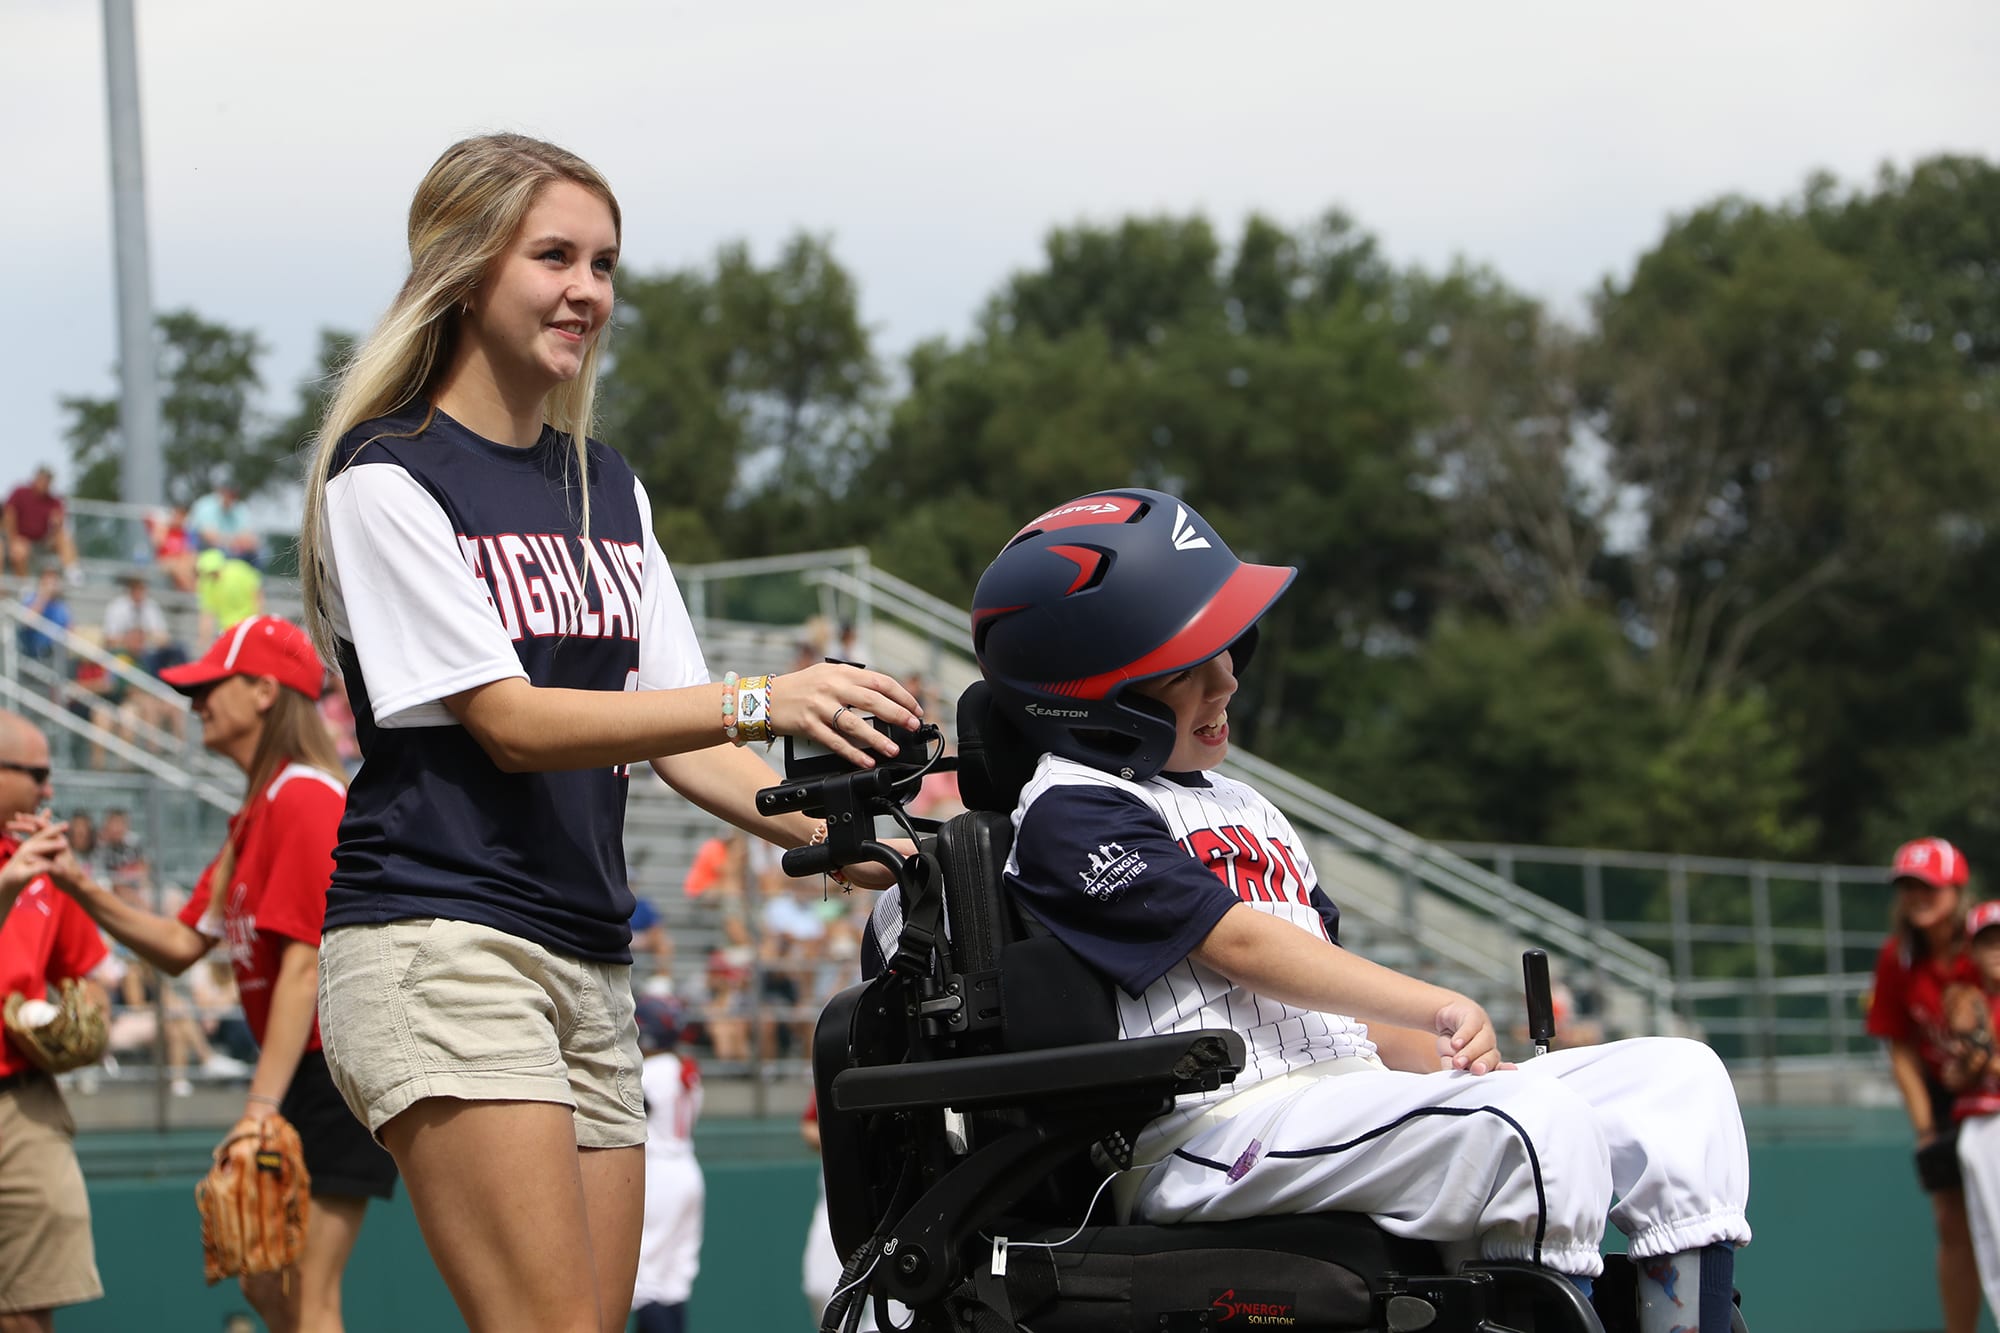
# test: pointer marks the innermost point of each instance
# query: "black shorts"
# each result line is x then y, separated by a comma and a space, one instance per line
1937, 1164
341, 1154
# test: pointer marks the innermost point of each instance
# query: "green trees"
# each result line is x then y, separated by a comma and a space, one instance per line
742, 395
1267, 381
1800, 401
208, 375
1706, 570
209, 423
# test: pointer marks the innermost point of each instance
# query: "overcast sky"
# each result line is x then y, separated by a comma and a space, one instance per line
936, 142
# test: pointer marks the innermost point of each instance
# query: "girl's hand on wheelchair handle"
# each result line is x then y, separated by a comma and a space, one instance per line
870, 875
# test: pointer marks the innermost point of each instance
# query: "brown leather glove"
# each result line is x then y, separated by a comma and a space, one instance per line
254, 1201
66, 1031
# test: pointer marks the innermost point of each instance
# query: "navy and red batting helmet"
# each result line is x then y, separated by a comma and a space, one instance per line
1102, 592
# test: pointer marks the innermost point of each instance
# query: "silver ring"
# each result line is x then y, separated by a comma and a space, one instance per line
834, 721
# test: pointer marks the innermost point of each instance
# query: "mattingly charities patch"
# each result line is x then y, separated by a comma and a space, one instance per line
1112, 870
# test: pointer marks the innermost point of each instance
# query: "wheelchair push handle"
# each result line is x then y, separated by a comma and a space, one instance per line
821, 859
1541, 1000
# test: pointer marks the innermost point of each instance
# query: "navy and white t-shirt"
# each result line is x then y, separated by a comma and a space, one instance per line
1134, 876
452, 562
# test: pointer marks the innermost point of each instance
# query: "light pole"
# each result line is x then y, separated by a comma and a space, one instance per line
138, 381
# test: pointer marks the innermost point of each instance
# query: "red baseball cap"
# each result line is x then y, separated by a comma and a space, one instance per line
1982, 917
260, 646
1933, 861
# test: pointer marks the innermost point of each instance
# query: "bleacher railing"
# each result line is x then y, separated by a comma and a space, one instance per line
46, 690
1772, 961
1767, 961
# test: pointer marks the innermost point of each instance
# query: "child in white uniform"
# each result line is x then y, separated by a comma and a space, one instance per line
1110, 630
670, 1244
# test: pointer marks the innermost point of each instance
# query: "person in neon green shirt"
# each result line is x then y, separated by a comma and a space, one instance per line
230, 591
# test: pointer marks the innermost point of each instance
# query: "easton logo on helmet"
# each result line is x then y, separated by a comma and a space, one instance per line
1185, 536
1037, 710
1076, 509
1086, 510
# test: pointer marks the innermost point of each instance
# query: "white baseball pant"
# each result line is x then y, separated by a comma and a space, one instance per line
1979, 1160
1522, 1164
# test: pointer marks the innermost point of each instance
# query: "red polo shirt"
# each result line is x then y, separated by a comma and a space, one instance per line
1908, 1003
284, 857
34, 512
45, 938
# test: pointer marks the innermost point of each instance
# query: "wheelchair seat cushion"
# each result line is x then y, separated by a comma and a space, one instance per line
1310, 1272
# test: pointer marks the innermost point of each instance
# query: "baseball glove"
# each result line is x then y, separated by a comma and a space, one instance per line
66, 1031
253, 1202
1968, 1016
1969, 1030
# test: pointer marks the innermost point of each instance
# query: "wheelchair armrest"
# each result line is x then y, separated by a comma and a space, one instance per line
1175, 1063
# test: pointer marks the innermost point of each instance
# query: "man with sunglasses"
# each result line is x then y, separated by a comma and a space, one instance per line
46, 1256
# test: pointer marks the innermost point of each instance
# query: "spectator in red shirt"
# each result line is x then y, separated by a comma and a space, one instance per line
264, 896
1924, 954
35, 516
173, 548
46, 1256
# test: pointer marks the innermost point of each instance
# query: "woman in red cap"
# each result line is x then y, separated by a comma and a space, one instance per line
1925, 953
265, 894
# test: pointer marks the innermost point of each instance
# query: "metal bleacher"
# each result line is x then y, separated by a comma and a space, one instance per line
1405, 901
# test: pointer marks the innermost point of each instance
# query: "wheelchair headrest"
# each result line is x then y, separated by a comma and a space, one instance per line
994, 760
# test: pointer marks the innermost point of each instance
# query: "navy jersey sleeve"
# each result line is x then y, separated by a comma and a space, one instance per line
1103, 873
1329, 913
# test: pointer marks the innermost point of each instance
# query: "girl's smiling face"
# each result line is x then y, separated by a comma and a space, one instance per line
544, 301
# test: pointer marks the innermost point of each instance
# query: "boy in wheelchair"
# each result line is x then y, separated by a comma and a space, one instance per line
1110, 632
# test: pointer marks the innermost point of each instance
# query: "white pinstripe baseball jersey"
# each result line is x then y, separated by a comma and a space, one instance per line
1133, 876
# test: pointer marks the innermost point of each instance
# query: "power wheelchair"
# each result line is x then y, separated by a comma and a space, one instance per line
971, 1090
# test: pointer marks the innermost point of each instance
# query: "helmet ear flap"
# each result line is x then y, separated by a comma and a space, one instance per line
1156, 729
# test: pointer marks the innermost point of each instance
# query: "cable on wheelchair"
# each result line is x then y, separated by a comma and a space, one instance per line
843, 1309
1081, 1226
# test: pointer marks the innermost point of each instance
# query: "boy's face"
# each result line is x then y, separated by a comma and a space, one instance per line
1986, 955
1200, 699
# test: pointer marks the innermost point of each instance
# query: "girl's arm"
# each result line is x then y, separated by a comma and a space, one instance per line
1907, 1068
164, 941
526, 728
294, 997
425, 631
724, 780
1277, 959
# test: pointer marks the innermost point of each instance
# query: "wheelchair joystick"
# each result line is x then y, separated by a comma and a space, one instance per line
1541, 1002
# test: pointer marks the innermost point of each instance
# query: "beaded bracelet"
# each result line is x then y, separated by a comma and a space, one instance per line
729, 708
753, 710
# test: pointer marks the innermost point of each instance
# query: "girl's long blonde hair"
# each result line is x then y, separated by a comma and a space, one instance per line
466, 210
294, 732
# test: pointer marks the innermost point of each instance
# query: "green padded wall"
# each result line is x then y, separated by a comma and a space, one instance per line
1843, 1236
